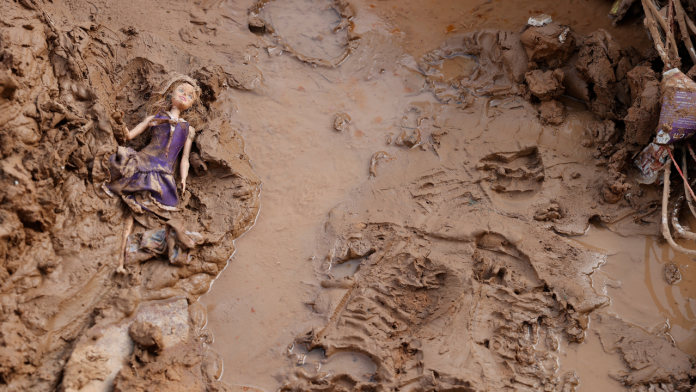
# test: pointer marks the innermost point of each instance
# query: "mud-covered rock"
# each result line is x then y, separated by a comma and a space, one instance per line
552, 44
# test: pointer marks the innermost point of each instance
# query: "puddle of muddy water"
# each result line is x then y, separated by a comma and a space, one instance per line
349, 268
315, 361
591, 364
633, 279
307, 26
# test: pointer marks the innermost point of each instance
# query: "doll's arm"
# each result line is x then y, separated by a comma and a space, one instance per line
185, 160
140, 128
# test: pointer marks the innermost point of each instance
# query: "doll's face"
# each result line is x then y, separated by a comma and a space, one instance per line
183, 96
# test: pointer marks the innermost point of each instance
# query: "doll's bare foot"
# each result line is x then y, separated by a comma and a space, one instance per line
121, 271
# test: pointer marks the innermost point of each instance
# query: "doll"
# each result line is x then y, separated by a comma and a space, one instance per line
145, 179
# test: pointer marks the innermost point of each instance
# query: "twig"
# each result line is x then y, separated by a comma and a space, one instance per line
689, 22
660, 20
668, 32
689, 200
681, 19
654, 16
652, 27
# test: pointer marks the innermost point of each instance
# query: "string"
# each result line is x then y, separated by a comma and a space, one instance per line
681, 174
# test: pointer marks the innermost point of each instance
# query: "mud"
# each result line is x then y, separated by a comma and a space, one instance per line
65, 74
437, 238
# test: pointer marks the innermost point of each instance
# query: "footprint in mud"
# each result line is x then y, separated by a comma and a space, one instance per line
514, 173
314, 31
497, 261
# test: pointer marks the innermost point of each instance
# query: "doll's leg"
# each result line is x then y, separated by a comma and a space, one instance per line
124, 242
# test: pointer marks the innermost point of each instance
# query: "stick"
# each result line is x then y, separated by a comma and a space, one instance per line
663, 23
670, 27
689, 199
691, 24
652, 27
684, 32
665, 221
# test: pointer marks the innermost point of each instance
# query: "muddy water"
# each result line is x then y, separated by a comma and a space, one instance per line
259, 303
633, 278
316, 362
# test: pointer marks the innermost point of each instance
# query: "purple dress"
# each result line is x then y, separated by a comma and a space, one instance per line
145, 179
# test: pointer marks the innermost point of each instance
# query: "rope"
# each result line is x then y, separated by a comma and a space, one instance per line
665, 221
686, 183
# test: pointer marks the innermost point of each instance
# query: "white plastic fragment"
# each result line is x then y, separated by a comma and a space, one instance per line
539, 20
563, 35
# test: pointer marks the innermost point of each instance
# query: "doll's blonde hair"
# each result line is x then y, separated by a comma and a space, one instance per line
161, 99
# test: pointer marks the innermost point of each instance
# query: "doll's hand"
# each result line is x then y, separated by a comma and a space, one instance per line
183, 187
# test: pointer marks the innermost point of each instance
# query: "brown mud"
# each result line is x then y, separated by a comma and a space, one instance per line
415, 183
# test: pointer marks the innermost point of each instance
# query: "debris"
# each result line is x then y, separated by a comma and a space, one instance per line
650, 161
672, 274
376, 157
341, 121
678, 103
539, 20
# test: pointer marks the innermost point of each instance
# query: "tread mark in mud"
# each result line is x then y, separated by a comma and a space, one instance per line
518, 172
444, 188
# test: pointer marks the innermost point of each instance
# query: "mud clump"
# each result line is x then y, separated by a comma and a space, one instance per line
341, 121
545, 85
551, 44
409, 141
644, 113
672, 274
552, 112
146, 335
